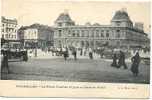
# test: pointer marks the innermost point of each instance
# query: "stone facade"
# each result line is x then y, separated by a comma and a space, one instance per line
36, 35
8, 28
120, 33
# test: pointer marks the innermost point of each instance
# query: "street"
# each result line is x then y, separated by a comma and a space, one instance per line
82, 70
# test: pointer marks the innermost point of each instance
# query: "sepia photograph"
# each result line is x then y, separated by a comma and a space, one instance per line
75, 41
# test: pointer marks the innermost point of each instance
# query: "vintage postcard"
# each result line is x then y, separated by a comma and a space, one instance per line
75, 48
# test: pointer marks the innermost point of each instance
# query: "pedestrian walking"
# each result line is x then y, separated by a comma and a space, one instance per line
114, 63
74, 54
135, 64
5, 67
90, 54
121, 60
25, 55
81, 52
65, 54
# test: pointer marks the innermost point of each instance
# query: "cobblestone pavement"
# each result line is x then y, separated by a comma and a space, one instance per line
83, 70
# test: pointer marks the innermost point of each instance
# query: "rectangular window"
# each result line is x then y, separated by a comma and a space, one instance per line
107, 31
107, 34
78, 35
6, 35
2, 35
2, 30
118, 31
87, 33
92, 33
73, 33
82, 33
97, 33
101, 34
60, 33
69, 33
60, 24
9, 36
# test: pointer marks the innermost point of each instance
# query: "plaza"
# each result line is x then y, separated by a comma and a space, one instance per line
81, 70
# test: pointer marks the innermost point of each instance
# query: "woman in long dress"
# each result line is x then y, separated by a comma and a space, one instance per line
135, 64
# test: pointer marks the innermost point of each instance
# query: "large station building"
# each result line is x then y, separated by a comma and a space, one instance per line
120, 33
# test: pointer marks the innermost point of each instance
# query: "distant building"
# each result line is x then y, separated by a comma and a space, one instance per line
139, 26
31, 34
30, 37
120, 33
36, 35
8, 28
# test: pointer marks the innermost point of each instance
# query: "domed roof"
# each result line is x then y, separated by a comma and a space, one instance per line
121, 15
63, 17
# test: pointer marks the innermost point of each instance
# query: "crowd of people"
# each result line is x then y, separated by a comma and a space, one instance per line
119, 61
66, 52
118, 58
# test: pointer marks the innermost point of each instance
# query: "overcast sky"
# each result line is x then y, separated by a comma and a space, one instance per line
46, 12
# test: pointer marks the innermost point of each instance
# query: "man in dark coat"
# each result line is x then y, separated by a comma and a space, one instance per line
114, 63
121, 60
90, 55
25, 55
135, 64
66, 54
81, 52
4, 66
74, 54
